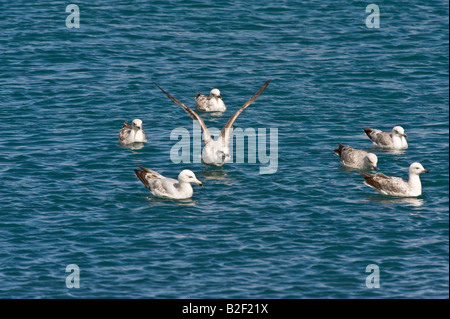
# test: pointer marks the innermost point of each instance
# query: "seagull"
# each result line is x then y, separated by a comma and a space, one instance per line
394, 140
396, 186
355, 158
211, 103
161, 186
216, 152
132, 133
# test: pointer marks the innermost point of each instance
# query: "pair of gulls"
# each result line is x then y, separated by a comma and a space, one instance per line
362, 160
134, 133
216, 152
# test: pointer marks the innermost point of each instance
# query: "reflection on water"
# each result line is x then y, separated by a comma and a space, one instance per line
133, 146
215, 115
186, 202
210, 116
392, 152
396, 152
154, 200
409, 201
216, 174
350, 169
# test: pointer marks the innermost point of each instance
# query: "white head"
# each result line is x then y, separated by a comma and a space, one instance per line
398, 130
417, 168
371, 160
136, 124
188, 176
215, 93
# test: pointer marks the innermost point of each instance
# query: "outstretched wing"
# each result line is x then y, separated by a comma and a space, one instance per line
228, 128
195, 116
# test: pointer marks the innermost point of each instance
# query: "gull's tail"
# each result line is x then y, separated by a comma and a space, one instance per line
338, 151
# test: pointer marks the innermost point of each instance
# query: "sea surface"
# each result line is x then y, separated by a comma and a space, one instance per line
69, 195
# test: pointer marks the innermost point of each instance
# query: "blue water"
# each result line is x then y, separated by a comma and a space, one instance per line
69, 194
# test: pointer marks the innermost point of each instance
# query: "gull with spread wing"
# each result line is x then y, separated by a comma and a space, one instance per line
216, 152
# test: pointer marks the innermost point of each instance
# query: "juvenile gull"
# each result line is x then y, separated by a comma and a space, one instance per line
396, 186
393, 140
216, 152
355, 158
161, 186
132, 133
211, 103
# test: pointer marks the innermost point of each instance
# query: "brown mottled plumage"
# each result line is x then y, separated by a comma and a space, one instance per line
388, 140
211, 103
355, 158
161, 186
132, 133
396, 186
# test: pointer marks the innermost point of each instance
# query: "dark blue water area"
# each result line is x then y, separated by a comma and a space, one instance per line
69, 194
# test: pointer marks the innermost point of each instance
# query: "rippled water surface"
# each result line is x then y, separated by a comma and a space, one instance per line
69, 194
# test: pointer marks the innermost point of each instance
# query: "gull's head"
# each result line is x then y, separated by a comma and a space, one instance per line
398, 130
188, 176
417, 168
215, 93
371, 159
137, 124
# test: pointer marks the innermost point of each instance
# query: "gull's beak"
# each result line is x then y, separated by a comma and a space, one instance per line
426, 171
219, 96
198, 183
375, 168
404, 135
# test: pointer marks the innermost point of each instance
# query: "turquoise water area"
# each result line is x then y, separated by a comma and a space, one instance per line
69, 194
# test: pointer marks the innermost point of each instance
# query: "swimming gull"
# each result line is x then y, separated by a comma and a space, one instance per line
211, 103
355, 158
132, 133
393, 140
161, 186
397, 186
216, 152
